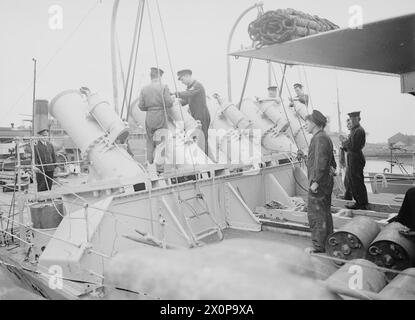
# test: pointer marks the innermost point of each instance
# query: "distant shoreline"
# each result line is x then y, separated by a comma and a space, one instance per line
405, 159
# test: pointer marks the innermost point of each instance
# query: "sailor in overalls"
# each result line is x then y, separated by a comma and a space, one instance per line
321, 167
154, 98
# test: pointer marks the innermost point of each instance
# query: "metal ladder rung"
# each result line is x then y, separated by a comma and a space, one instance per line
198, 196
203, 234
198, 215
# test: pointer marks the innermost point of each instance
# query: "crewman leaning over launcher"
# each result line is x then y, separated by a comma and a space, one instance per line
154, 99
301, 96
356, 162
321, 168
273, 92
195, 97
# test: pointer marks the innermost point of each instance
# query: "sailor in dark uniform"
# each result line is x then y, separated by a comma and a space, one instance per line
348, 194
195, 97
154, 99
406, 215
321, 167
356, 162
45, 159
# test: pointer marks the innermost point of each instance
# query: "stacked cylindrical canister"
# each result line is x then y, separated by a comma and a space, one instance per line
357, 275
371, 248
392, 250
362, 279
353, 239
402, 287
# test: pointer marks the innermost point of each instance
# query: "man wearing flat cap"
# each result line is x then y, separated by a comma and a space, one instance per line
356, 162
154, 99
321, 166
45, 159
195, 97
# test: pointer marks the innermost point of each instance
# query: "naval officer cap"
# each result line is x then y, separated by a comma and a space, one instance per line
43, 130
298, 85
318, 118
273, 88
157, 71
354, 114
184, 72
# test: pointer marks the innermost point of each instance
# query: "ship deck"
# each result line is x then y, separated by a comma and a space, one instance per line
14, 255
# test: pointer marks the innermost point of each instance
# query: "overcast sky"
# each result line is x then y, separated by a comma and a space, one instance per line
197, 32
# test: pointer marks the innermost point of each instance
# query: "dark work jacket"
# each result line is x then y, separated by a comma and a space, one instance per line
195, 97
354, 146
320, 161
44, 155
406, 214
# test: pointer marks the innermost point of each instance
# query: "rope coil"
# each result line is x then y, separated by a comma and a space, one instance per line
284, 25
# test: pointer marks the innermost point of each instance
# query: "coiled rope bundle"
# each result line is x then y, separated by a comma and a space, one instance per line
286, 24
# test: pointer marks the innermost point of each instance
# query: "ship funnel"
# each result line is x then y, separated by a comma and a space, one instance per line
108, 161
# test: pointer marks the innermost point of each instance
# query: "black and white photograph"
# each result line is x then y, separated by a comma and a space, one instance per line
207, 155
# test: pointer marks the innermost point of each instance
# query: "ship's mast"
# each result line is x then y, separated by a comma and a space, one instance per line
114, 54
338, 107
34, 95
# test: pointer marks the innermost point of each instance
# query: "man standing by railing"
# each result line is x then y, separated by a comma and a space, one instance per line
356, 162
45, 159
348, 194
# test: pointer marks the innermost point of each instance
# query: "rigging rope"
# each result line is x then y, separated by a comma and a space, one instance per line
167, 47
283, 106
291, 97
135, 62
133, 50
120, 62
309, 90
